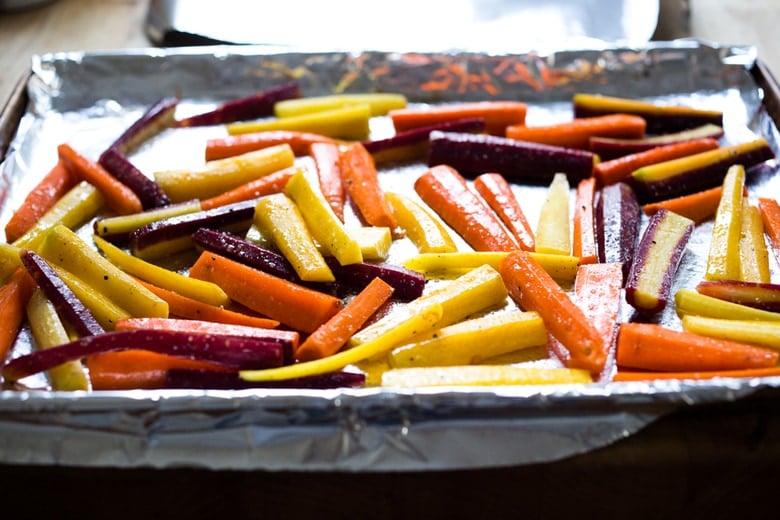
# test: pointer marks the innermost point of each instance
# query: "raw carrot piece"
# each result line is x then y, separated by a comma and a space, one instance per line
498, 193
533, 289
209, 327
326, 162
424, 229
584, 243
597, 291
446, 192
770, 215
498, 115
616, 170
553, 231
723, 259
698, 206
51, 188
138, 369
635, 375
185, 307
223, 147
334, 333
362, 184
14, 295
649, 346
296, 306
754, 263
271, 183
576, 133
118, 197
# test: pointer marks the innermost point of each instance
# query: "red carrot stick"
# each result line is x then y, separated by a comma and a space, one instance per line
576, 133
362, 184
334, 333
326, 160
185, 307
14, 295
584, 242
498, 193
118, 197
648, 346
38, 201
620, 169
271, 183
498, 115
699, 206
446, 192
223, 147
296, 306
533, 289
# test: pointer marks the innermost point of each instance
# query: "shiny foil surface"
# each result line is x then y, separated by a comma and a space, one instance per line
89, 99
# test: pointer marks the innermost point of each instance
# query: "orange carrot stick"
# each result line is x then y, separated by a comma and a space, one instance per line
296, 306
620, 169
446, 192
533, 289
648, 346
699, 206
362, 184
334, 333
498, 115
326, 160
185, 307
14, 295
118, 197
584, 232
770, 215
223, 147
42, 197
498, 193
138, 369
207, 327
271, 183
577, 132
632, 375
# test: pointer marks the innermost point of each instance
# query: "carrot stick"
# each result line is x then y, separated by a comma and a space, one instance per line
576, 133
498, 193
138, 369
14, 295
446, 192
38, 201
271, 183
334, 333
533, 289
616, 170
648, 346
207, 327
223, 147
326, 160
296, 306
185, 307
631, 375
584, 233
118, 197
498, 115
699, 206
770, 215
362, 184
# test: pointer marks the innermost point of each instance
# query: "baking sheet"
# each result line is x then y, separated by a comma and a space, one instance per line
88, 99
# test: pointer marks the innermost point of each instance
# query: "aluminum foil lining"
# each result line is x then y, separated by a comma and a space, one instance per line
87, 99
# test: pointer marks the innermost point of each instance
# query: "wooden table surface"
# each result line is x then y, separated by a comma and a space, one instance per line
665, 471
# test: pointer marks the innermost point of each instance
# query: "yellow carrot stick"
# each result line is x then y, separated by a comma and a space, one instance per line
723, 258
483, 375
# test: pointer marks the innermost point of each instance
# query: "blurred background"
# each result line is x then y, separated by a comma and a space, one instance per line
30, 27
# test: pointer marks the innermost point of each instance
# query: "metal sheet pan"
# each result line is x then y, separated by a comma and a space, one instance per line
87, 99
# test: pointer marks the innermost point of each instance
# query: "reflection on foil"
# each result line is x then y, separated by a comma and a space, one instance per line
88, 99
405, 25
